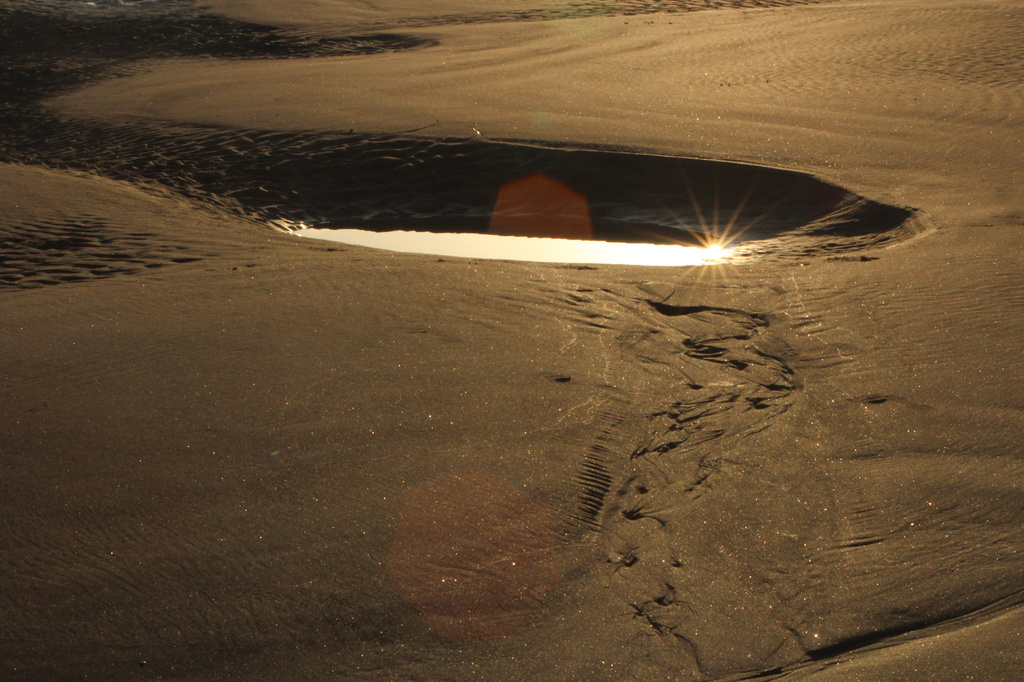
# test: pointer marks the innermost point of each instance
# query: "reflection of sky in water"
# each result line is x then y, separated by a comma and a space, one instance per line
537, 249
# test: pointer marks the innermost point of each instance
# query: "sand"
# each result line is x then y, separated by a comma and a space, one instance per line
231, 452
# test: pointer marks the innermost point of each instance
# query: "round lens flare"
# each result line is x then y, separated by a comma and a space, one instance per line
540, 206
714, 252
474, 554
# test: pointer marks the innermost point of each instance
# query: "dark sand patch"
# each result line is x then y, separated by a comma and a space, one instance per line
49, 48
82, 248
107, 228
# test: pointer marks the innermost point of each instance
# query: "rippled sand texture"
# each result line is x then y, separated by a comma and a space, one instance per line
229, 452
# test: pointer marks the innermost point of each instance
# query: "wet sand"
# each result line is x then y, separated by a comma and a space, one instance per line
232, 452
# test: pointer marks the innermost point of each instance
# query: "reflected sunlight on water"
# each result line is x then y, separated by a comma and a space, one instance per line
536, 249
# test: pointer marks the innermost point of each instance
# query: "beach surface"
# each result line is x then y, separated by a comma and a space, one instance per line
229, 452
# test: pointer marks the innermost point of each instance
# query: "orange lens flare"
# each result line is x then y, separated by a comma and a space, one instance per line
475, 555
540, 206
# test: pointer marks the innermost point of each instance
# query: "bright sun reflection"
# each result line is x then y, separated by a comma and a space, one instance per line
535, 249
714, 252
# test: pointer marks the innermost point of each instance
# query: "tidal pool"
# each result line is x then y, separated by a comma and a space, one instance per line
515, 201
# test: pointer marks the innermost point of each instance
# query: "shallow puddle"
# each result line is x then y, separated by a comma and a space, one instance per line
526, 202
